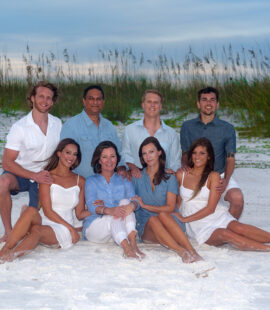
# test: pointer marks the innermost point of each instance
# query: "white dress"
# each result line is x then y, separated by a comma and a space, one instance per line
202, 229
64, 200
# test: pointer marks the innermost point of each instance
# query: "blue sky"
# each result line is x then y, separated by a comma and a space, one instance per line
148, 26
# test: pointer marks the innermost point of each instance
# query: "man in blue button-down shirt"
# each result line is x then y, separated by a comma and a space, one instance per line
222, 136
89, 128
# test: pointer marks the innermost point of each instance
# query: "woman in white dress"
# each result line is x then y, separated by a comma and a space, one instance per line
54, 226
206, 219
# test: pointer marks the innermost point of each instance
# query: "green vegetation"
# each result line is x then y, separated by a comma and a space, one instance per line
243, 78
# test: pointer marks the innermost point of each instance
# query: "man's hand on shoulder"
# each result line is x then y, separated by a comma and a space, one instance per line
43, 176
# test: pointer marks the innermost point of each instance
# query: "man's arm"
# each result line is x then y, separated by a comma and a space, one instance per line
174, 162
9, 164
229, 168
128, 157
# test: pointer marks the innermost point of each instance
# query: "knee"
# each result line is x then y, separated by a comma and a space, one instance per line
154, 221
31, 212
163, 216
4, 184
235, 196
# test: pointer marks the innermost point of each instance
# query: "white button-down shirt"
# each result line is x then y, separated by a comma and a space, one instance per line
33, 146
134, 135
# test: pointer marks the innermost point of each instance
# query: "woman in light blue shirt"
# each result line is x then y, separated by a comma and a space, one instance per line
108, 198
157, 192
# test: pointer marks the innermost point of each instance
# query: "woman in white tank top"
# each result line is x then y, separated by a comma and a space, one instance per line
207, 220
54, 224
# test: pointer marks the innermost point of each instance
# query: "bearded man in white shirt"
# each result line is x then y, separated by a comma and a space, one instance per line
150, 125
30, 141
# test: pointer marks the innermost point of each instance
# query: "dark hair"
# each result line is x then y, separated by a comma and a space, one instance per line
54, 159
98, 87
33, 91
152, 91
209, 164
208, 90
97, 153
160, 174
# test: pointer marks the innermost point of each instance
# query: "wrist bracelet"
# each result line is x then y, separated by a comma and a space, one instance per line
102, 210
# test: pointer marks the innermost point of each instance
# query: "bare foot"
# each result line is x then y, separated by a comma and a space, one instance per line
6, 256
137, 250
128, 251
188, 257
4, 238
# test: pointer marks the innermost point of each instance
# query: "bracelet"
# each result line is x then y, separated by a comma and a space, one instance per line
102, 210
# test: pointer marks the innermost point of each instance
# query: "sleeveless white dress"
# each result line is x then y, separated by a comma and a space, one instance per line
64, 200
202, 229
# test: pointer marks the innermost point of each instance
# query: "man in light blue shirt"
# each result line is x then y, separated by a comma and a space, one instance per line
150, 125
89, 128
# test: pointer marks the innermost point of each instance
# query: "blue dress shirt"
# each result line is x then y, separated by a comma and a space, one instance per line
134, 135
220, 133
96, 187
85, 132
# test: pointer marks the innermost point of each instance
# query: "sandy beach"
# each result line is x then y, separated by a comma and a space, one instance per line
92, 276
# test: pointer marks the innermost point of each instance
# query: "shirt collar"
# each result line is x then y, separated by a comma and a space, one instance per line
214, 121
88, 120
30, 120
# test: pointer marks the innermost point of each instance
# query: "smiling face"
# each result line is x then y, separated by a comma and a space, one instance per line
43, 100
68, 155
108, 160
208, 104
199, 156
93, 102
152, 105
150, 155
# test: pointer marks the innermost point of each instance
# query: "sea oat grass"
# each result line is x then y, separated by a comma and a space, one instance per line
243, 78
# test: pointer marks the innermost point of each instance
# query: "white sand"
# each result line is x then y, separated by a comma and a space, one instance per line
91, 276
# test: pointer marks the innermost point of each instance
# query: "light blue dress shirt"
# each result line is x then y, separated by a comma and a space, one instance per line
96, 187
85, 132
134, 135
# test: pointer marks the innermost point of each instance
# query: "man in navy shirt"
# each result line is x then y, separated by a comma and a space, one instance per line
222, 136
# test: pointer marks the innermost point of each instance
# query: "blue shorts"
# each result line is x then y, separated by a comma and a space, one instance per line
25, 185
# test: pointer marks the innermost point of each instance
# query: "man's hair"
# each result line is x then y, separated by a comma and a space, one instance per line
208, 90
152, 91
33, 91
98, 87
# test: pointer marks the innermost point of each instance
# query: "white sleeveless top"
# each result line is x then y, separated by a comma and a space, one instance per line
202, 229
63, 200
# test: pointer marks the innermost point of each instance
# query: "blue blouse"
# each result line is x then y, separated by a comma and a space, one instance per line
96, 187
158, 197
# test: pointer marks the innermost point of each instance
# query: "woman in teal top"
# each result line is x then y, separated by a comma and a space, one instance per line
157, 192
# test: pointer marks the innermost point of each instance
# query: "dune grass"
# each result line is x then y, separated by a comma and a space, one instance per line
243, 78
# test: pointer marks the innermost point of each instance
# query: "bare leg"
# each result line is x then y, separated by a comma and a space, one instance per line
250, 231
155, 231
179, 236
133, 244
7, 182
38, 233
235, 197
128, 251
221, 236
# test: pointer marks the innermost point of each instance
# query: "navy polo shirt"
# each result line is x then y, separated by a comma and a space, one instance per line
220, 133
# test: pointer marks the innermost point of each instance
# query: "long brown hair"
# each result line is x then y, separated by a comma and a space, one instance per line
160, 174
54, 159
209, 164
